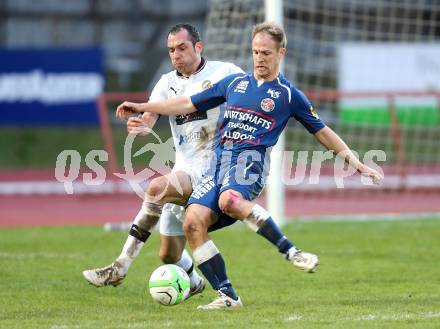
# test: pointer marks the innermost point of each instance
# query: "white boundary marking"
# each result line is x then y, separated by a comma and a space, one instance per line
326, 183
125, 225
374, 317
369, 217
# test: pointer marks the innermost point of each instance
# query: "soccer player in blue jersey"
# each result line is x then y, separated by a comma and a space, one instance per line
257, 108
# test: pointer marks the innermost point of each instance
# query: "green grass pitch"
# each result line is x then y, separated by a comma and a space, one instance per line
374, 274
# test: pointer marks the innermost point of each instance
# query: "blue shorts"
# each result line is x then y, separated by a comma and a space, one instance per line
241, 175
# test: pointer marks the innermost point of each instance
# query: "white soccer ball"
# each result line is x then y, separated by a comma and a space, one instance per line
169, 285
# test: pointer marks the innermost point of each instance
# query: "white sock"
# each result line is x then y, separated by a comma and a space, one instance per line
147, 209
256, 218
187, 264
130, 251
205, 252
133, 245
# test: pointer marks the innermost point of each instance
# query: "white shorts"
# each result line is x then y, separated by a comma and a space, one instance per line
194, 172
171, 220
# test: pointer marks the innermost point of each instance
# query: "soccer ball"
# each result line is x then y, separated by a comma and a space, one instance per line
169, 285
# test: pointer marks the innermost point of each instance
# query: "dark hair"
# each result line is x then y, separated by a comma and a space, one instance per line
192, 31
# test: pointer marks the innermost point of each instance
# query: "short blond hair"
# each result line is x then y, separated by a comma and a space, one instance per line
274, 30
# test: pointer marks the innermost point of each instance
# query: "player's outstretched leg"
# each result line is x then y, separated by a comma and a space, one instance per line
261, 222
140, 231
232, 203
198, 218
212, 265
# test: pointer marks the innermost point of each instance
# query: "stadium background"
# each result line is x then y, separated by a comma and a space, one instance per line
370, 67
126, 42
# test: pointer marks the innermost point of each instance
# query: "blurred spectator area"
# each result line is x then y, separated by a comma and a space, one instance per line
131, 32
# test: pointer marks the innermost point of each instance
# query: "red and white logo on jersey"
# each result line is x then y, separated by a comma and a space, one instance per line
267, 104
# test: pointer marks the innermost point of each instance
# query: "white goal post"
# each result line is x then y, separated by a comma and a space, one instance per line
275, 188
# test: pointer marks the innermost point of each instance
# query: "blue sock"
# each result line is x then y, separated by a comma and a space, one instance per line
214, 269
209, 274
273, 234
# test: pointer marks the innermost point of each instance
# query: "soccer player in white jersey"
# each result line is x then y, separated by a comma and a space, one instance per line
258, 106
193, 135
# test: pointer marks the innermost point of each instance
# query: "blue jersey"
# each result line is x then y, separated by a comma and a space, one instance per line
256, 113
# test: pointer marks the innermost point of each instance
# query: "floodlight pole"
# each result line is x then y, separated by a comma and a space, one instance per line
276, 190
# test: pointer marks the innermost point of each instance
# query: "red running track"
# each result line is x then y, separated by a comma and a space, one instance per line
96, 209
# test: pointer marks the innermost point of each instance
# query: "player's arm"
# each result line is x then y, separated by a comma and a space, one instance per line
173, 106
334, 143
303, 111
203, 101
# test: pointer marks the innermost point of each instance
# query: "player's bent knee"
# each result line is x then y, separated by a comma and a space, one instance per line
156, 188
229, 203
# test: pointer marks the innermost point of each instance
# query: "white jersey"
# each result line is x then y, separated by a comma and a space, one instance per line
193, 133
